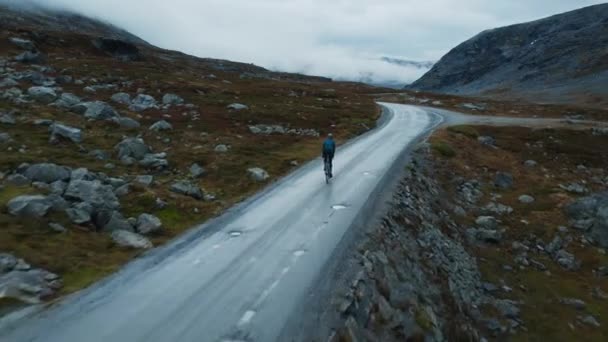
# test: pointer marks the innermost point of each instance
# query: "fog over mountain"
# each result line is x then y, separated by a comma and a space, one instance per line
340, 39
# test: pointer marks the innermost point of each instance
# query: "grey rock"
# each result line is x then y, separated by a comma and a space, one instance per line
574, 188
154, 160
567, 260
258, 174
161, 125
485, 235
221, 148
576, 303
47, 173
82, 173
554, 246
526, 199
507, 308
30, 286
591, 213
57, 202
42, 94
59, 131
122, 191
503, 180
147, 224
7, 262
7, 119
67, 101
498, 208
117, 222
92, 192
18, 180
487, 140
237, 106
96, 110
58, 187
122, 98
8, 82
142, 102
487, 222
188, 189
145, 180
30, 57
5, 138
129, 239
590, 320
78, 215
172, 99
99, 154
56, 227
29, 206
197, 171
43, 122
126, 122
530, 163
23, 43
132, 147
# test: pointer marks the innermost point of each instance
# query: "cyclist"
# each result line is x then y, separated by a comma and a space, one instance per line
329, 149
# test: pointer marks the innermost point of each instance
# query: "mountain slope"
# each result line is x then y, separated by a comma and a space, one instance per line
562, 58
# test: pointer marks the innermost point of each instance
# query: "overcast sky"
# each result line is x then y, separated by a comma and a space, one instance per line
336, 38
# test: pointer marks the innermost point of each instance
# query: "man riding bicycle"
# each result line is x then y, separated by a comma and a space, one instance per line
329, 149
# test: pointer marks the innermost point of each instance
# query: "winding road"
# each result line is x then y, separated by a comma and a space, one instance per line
238, 277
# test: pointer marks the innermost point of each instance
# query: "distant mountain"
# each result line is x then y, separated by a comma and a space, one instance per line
563, 58
407, 63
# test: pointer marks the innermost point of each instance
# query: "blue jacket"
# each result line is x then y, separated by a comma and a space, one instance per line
329, 147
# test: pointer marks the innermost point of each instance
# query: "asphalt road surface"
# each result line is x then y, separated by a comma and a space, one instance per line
239, 277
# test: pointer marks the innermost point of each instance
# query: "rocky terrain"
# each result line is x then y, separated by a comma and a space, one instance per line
111, 146
493, 234
560, 59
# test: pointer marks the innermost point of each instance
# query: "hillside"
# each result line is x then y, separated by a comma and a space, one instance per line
560, 59
111, 146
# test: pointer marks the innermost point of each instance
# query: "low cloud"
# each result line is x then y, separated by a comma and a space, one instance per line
339, 39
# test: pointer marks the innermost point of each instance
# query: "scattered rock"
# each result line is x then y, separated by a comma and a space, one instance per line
172, 99
487, 222
188, 189
147, 224
59, 130
56, 227
576, 303
129, 239
122, 190
79, 213
487, 141
155, 160
161, 126
197, 171
96, 110
498, 208
122, 98
530, 163
18, 179
142, 102
221, 148
590, 320
30, 57
526, 199
132, 147
5, 138
47, 173
29, 206
258, 174
126, 122
503, 180
23, 43
567, 260
7, 119
485, 235
42, 94
93, 192
574, 188
145, 180
237, 106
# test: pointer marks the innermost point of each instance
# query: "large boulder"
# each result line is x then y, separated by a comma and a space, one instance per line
125, 238
96, 110
95, 193
142, 102
28, 285
47, 173
42, 94
147, 224
172, 99
188, 189
59, 131
133, 148
29, 206
258, 174
115, 221
593, 210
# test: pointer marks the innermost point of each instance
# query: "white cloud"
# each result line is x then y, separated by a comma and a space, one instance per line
338, 38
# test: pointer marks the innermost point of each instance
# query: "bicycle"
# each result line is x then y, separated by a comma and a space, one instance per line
327, 169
